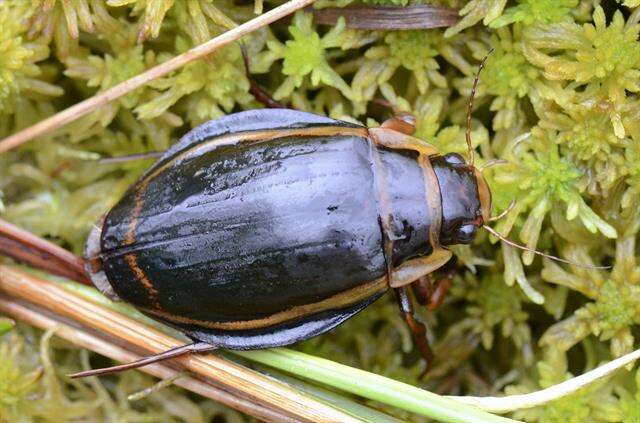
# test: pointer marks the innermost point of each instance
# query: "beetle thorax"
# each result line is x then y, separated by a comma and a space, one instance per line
409, 219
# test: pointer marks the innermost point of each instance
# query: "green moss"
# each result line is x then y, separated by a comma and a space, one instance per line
615, 308
305, 55
603, 56
209, 90
597, 402
545, 180
558, 101
629, 405
33, 389
508, 72
531, 12
494, 305
15, 387
19, 73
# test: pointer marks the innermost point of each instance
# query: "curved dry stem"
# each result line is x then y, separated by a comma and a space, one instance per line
533, 399
27, 248
32, 315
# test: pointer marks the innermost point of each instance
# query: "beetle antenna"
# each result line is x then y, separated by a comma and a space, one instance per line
504, 213
492, 163
470, 108
540, 253
196, 347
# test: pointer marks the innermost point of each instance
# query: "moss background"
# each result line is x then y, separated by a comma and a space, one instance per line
558, 100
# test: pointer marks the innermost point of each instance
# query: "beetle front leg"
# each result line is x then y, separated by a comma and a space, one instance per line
418, 328
412, 270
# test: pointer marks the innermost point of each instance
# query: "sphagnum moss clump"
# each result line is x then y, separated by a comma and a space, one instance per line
558, 101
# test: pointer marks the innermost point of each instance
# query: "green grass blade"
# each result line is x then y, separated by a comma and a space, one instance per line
340, 402
345, 378
371, 386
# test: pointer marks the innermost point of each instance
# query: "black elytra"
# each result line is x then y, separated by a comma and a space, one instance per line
267, 227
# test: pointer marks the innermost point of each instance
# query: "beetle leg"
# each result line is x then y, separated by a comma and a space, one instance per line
196, 347
423, 289
255, 89
403, 122
418, 328
431, 293
438, 295
393, 139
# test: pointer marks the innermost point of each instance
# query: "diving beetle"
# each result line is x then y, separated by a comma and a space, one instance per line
270, 226
267, 227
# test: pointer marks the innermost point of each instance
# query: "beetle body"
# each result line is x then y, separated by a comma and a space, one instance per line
267, 227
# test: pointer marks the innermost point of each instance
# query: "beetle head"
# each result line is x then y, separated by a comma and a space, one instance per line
465, 199
465, 195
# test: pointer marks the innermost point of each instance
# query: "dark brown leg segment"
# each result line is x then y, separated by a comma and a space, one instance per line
418, 328
256, 90
431, 292
438, 295
422, 289
196, 347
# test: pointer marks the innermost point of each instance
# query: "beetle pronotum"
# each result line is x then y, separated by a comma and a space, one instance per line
267, 227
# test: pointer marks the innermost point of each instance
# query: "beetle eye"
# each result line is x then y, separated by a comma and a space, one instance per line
454, 159
466, 233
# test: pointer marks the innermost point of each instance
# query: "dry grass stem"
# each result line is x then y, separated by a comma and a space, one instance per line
417, 16
139, 339
33, 316
40, 253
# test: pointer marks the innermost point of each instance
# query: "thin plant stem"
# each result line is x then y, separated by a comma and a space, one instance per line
87, 106
85, 339
372, 386
543, 396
